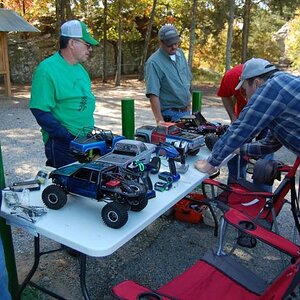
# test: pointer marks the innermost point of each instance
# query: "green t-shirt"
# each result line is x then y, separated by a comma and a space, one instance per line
65, 91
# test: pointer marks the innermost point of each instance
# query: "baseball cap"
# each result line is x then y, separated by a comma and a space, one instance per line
168, 34
254, 67
77, 29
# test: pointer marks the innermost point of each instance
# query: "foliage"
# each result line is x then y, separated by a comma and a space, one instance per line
293, 41
267, 16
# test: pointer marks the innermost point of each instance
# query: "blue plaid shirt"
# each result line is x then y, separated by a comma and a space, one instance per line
274, 105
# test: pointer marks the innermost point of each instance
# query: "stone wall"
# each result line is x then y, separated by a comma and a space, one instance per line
25, 53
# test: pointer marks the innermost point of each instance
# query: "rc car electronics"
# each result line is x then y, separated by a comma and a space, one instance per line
162, 186
167, 176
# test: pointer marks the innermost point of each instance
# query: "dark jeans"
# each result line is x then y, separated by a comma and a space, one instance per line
170, 115
58, 153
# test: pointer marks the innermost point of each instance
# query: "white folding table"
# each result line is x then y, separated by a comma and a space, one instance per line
78, 224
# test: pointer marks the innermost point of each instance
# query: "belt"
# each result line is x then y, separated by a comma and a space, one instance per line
181, 109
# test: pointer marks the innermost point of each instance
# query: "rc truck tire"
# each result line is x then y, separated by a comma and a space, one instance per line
114, 215
54, 197
135, 189
210, 140
139, 205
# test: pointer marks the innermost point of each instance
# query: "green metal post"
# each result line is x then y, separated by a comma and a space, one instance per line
197, 101
128, 118
6, 236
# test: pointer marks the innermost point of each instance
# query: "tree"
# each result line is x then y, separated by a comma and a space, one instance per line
293, 41
147, 40
231, 4
119, 56
192, 33
104, 79
246, 24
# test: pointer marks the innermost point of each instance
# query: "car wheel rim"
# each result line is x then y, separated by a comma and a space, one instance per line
52, 198
112, 216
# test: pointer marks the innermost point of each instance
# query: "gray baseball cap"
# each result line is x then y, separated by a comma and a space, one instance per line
254, 67
168, 34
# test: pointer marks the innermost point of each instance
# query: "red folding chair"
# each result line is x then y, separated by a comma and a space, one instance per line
262, 206
219, 276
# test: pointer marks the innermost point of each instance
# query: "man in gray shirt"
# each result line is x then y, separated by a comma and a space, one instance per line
168, 78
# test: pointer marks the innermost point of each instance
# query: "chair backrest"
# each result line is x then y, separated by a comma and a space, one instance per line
247, 197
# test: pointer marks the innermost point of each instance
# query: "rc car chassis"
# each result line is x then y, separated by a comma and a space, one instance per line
196, 123
120, 188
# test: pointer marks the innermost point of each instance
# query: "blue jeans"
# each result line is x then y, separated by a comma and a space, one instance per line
173, 116
235, 173
58, 153
4, 293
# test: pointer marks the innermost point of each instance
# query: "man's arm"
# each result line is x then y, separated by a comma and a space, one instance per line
155, 106
259, 149
50, 124
229, 106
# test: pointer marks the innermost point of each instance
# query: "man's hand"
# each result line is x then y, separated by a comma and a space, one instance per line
205, 167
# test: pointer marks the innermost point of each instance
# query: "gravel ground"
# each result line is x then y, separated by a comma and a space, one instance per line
163, 250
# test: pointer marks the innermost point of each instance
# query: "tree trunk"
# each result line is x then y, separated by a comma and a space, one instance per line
147, 40
229, 33
119, 57
104, 75
192, 34
245, 35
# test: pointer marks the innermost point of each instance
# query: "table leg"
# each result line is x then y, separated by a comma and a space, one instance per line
37, 255
83, 276
34, 267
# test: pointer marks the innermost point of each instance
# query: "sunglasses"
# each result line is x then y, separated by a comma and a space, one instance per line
89, 46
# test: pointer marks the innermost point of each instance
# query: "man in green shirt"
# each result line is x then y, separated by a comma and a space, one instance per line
168, 78
61, 97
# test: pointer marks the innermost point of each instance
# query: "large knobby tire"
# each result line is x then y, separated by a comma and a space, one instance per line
210, 140
139, 205
54, 197
114, 215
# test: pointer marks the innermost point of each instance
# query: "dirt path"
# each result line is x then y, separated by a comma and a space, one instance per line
155, 255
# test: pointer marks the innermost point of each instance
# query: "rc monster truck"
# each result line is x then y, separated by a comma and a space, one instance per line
93, 142
117, 186
196, 123
168, 132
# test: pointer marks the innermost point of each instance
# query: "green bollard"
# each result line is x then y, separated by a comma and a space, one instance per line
128, 118
197, 101
6, 236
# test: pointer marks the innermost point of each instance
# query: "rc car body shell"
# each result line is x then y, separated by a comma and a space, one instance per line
95, 140
100, 181
169, 132
127, 151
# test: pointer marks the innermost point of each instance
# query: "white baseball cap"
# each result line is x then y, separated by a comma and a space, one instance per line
254, 67
77, 29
